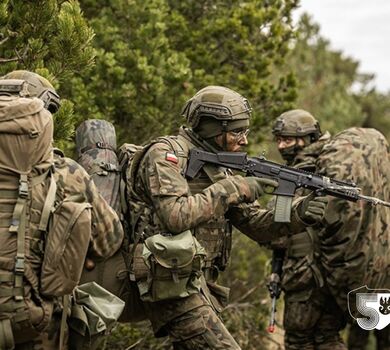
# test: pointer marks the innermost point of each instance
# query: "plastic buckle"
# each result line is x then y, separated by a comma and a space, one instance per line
14, 226
101, 145
19, 264
110, 167
23, 189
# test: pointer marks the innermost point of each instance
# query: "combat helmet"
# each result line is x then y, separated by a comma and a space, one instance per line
297, 123
217, 102
29, 84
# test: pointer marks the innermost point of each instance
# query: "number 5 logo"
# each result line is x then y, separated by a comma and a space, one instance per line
362, 301
370, 307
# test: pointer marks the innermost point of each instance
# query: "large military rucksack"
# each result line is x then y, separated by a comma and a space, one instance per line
96, 148
41, 239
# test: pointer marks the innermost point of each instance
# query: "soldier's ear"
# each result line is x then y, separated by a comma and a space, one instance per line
301, 142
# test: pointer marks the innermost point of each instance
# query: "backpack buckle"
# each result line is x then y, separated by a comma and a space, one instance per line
23, 188
19, 264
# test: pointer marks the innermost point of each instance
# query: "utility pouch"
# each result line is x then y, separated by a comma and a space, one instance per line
67, 242
301, 271
174, 267
95, 312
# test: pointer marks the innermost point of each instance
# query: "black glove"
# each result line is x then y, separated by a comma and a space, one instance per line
259, 185
312, 209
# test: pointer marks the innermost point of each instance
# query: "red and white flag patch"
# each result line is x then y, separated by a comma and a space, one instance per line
172, 157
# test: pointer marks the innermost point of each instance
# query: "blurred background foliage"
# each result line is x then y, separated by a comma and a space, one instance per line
135, 62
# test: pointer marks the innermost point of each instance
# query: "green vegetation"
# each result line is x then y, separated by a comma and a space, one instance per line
135, 62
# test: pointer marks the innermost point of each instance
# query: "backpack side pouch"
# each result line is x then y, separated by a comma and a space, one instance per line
67, 243
95, 312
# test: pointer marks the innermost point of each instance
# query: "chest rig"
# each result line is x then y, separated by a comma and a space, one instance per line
215, 235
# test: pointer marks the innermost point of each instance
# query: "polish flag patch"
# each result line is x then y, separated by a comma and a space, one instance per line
172, 157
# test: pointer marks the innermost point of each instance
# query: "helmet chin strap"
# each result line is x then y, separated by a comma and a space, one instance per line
224, 135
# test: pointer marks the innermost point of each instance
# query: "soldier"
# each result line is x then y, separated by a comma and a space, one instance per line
326, 261
164, 206
26, 100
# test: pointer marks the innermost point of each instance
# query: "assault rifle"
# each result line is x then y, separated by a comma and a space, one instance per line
289, 179
273, 285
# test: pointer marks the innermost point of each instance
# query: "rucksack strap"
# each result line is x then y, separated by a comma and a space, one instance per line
65, 305
49, 204
6, 335
101, 145
18, 226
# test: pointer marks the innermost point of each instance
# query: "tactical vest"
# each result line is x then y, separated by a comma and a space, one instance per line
215, 236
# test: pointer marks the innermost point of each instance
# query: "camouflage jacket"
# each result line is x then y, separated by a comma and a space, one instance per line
354, 240
351, 243
207, 205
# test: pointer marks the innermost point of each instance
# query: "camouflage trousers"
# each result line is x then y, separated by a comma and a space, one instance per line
313, 324
33, 345
191, 324
358, 338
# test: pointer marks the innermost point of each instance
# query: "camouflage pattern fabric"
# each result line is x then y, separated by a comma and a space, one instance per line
96, 150
354, 242
359, 231
313, 323
358, 338
27, 197
107, 231
164, 201
343, 251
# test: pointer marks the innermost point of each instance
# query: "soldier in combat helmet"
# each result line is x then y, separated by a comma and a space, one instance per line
326, 261
164, 205
29, 169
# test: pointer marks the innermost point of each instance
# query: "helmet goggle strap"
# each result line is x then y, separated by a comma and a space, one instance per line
224, 134
50, 98
14, 86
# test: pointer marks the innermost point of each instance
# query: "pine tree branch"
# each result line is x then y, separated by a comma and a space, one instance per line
6, 60
4, 40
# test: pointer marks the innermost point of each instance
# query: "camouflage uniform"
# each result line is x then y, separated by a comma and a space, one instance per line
107, 231
208, 205
71, 179
358, 230
324, 263
312, 318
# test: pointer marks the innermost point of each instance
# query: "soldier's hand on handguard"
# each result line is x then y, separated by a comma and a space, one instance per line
258, 186
312, 209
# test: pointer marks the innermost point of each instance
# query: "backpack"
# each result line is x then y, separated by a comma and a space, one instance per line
138, 272
43, 232
96, 150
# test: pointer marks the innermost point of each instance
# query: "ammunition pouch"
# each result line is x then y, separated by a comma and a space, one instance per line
168, 266
301, 272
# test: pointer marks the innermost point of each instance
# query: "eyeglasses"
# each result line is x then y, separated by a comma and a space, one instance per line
239, 135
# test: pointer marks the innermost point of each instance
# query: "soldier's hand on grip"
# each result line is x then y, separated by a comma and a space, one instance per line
258, 186
312, 209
